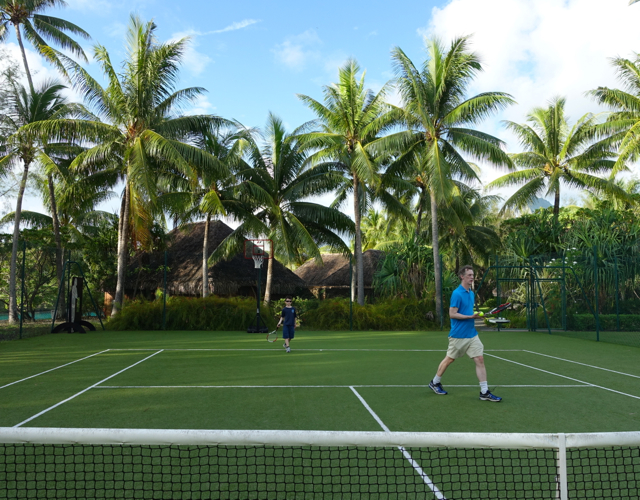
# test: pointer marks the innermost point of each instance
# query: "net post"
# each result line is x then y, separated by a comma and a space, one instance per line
562, 467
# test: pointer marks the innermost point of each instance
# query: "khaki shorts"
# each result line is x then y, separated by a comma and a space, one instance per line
459, 347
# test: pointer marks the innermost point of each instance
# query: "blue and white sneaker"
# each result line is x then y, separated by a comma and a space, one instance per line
487, 396
437, 388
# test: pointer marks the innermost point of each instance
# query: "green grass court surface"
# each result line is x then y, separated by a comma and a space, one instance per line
330, 381
344, 381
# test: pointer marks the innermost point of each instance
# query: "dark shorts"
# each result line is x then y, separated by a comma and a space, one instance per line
288, 331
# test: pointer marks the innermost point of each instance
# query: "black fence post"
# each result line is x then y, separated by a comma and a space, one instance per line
617, 294
595, 281
164, 293
24, 257
350, 293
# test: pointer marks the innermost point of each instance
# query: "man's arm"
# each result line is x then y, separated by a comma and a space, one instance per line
454, 314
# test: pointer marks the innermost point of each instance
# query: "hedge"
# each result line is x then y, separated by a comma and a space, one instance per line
236, 314
587, 322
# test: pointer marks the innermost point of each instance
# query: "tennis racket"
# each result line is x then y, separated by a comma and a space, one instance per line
500, 308
272, 336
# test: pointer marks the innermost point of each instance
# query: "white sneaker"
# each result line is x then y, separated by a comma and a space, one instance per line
288, 349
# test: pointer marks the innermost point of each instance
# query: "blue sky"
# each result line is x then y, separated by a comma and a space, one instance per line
255, 56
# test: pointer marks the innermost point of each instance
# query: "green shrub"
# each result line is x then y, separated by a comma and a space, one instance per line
490, 303
586, 322
398, 314
186, 313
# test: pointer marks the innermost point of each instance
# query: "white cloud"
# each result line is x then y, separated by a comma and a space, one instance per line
237, 25
297, 50
201, 106
193, 61
538, 50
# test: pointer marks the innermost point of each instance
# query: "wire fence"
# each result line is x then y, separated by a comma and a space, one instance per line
582, 293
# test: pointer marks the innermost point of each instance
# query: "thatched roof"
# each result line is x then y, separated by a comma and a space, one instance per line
236, 276
335, 271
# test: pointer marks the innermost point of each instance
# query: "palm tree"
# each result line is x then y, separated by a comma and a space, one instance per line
439, 118
557, 153
141, 135
276, 184
22, 146
350, 120
26, 16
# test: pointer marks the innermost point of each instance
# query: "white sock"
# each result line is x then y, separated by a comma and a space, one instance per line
484, 387
436, 380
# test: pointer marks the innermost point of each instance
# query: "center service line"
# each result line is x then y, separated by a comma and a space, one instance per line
406, 454
84, 390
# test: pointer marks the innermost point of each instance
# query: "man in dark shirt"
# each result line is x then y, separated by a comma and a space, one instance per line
288, 317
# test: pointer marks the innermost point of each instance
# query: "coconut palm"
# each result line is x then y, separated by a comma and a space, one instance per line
276, 184
439, 120
350, 119
141, 133
216, 191
26, 17
21, 146
557, 153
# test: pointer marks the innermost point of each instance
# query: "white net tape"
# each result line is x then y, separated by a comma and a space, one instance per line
257, 260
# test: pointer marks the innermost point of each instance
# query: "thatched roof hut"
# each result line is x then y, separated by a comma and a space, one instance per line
333, 278
236, 276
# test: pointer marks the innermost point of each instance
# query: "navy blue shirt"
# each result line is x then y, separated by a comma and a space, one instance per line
463, 300
289, 315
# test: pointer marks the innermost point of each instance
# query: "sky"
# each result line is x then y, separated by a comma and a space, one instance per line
254, 57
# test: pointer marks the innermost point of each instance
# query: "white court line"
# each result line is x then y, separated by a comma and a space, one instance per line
84, 390
577, 363
52, 369
316, 349
564, 376
309, 386
407, 455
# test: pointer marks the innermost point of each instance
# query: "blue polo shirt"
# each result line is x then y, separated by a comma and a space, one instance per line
289, 315
464, 301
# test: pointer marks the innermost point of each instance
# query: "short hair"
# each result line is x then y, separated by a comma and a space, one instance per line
463, 270
289, 297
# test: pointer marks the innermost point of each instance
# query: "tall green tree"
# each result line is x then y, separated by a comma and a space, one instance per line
22, 146
350, 119
27, 18
557, 153
140, 133
278, 183
439, 118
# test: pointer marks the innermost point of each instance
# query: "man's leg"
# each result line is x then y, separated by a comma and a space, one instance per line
435, 384
481, 371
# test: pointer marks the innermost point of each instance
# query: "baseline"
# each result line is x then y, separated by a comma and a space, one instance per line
407, 455
311, 349
577, 363
52, 369
564, 376
315, 386
83, 391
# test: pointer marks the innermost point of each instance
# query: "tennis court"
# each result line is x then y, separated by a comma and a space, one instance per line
331, 381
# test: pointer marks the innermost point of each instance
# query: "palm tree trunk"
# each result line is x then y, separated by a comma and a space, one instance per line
13, 269
56, 234
436, 253
358, 243
353, 281
24, 57
556, 205
123, 236
205, 258
420, 210
267, 289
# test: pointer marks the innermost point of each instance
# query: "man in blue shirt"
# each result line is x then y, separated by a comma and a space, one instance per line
463, 337
288, 317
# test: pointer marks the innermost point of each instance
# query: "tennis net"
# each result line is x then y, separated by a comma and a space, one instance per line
199, 464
